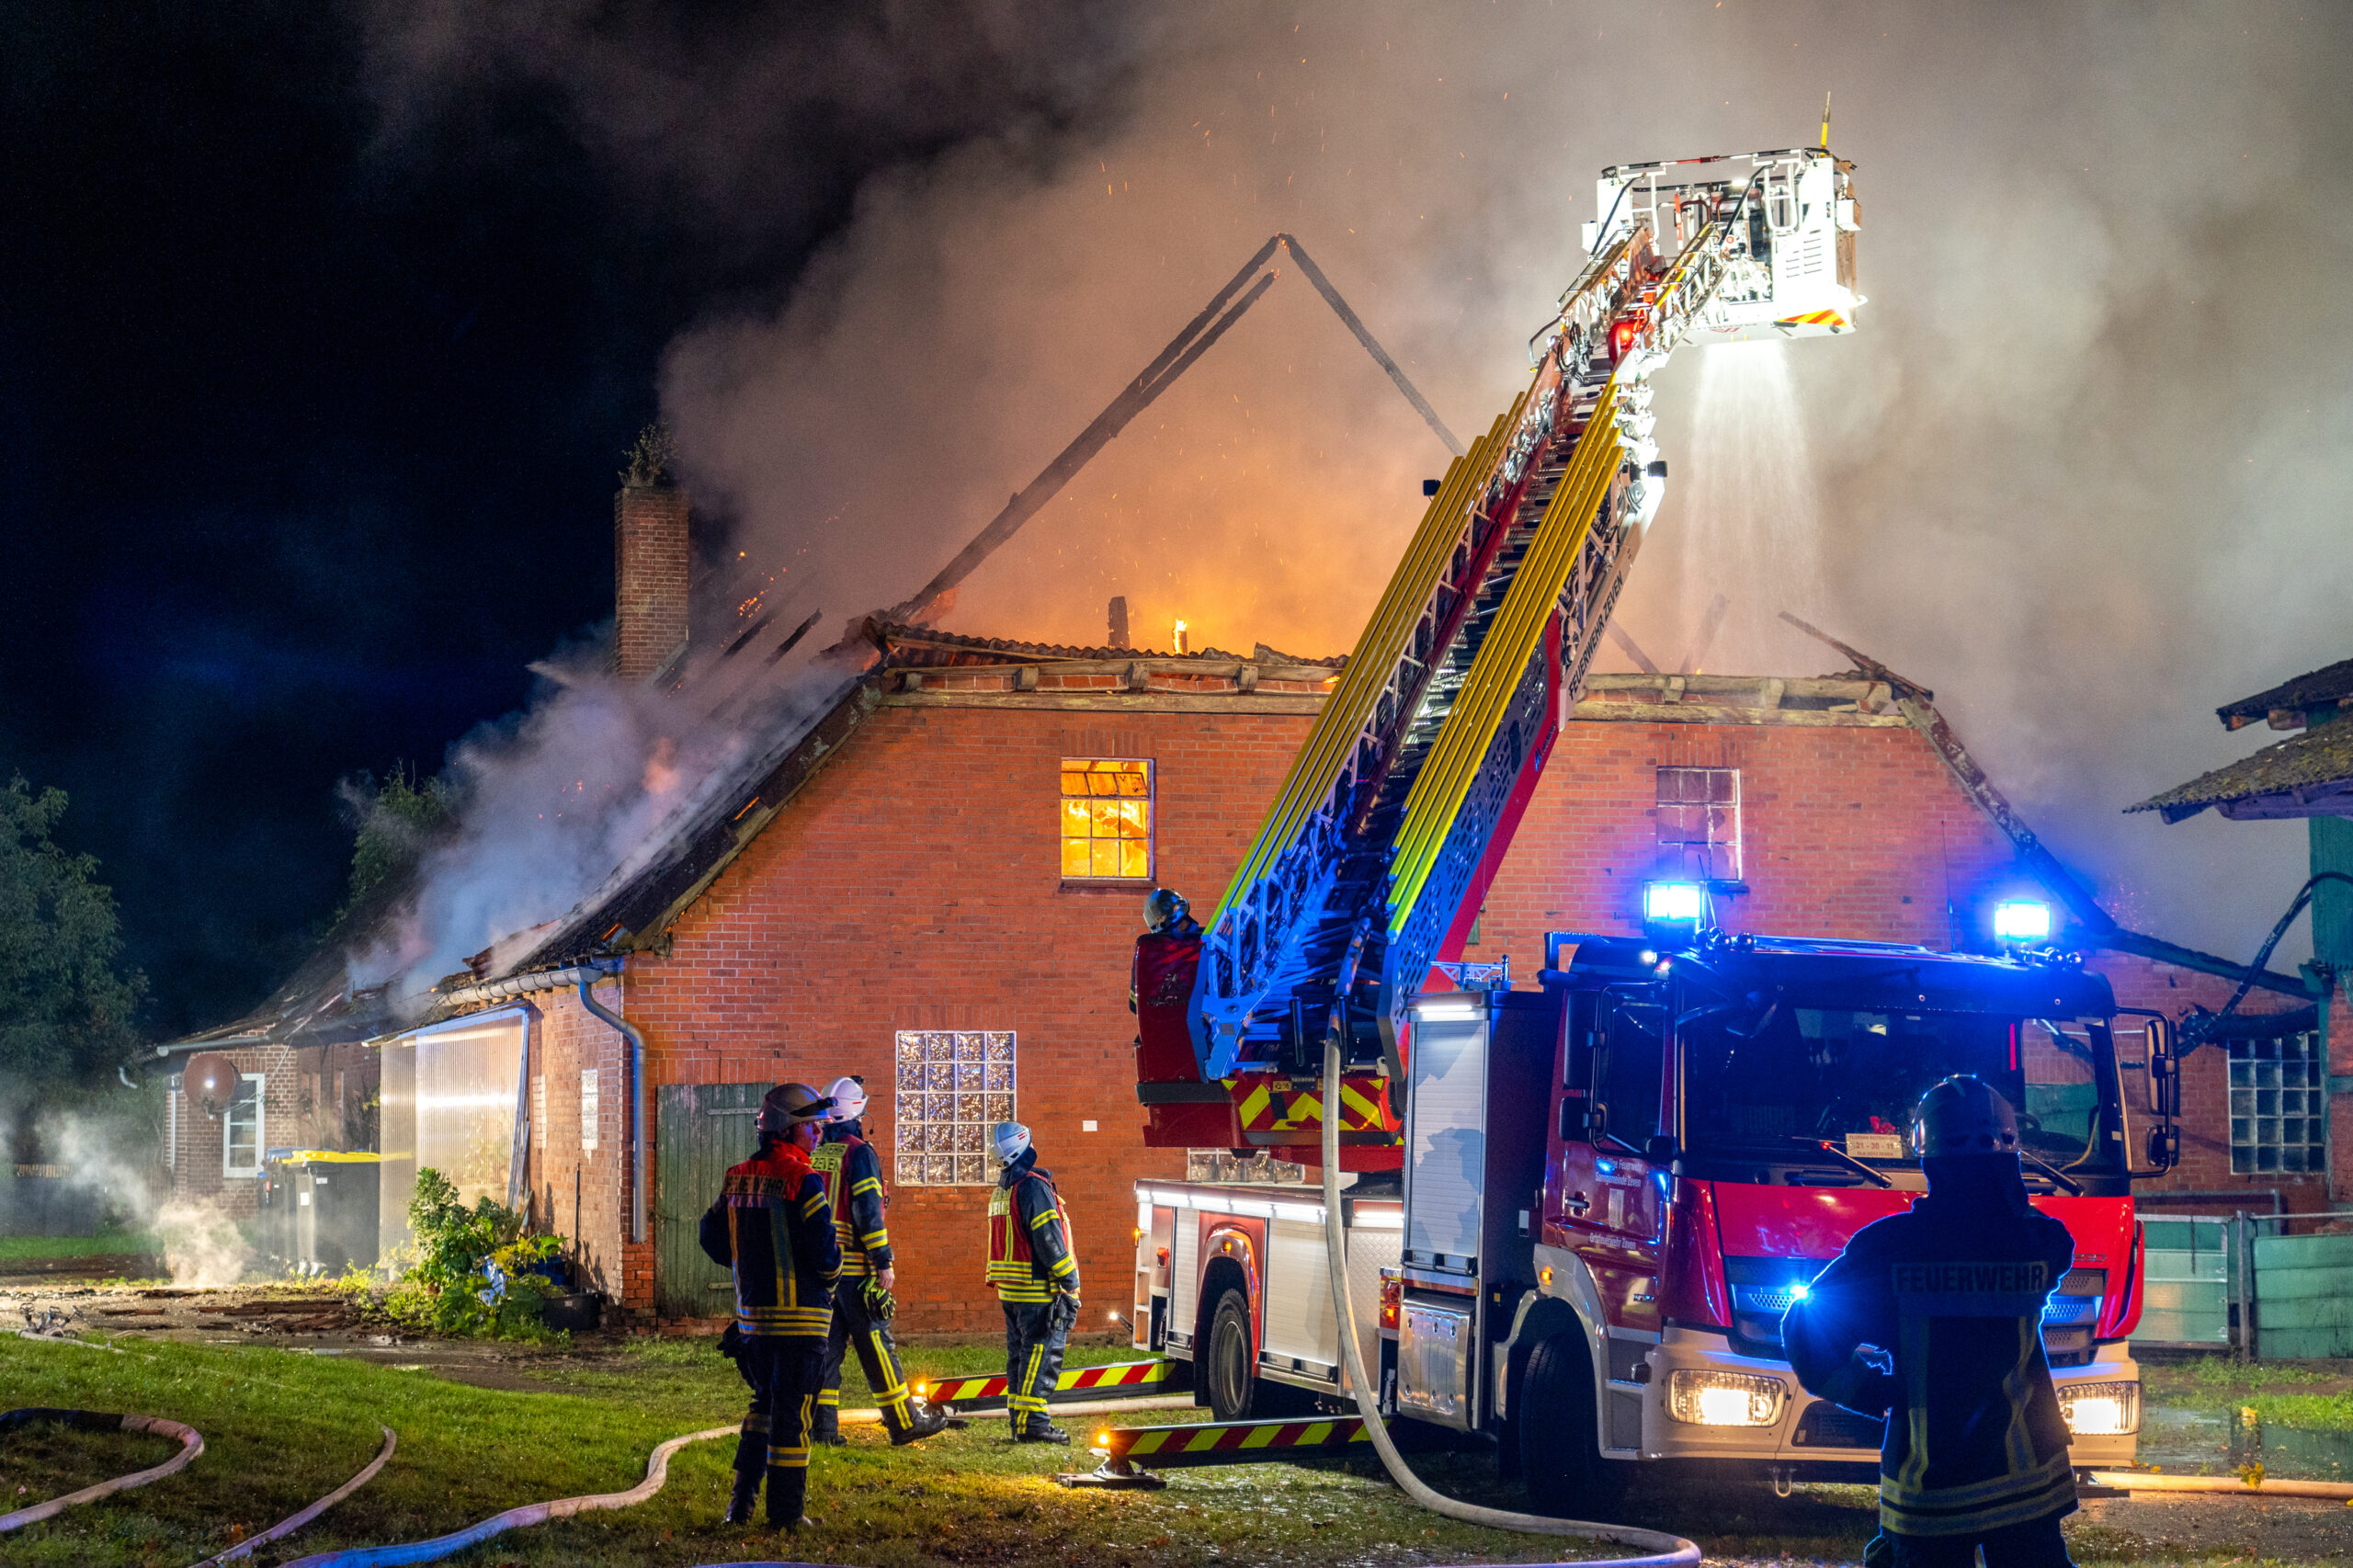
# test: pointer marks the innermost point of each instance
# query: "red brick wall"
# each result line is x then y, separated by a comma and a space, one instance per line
575, 1192
1846, 831
649, 578
917, 884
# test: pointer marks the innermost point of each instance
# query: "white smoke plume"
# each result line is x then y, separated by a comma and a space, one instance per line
547, 802
108, 1147
2079, 472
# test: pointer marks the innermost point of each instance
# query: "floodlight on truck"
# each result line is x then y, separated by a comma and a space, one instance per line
2101, 1409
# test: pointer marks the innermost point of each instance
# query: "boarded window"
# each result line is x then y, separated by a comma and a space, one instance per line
1699, 821
1106, 819
588, 1109
953, 1086
2278, 1105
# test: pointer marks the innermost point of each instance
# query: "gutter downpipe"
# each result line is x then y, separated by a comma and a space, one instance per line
637, 1095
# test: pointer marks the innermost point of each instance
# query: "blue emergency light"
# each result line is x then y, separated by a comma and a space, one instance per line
2022, 920
1674, 904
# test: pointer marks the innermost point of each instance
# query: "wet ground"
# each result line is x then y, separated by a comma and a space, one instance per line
319, 1320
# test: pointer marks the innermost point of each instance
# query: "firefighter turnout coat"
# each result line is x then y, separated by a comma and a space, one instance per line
772, 1228
852, 1173
1952, 1293
1031, 1257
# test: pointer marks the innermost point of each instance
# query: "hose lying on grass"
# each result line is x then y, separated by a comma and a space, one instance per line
288, 1525
657, 1472
191, 1440
2136, 1480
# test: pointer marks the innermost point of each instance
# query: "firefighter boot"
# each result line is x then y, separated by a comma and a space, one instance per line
747, 1493
788, 1493
1042, 1430
927, 1421
826, 1427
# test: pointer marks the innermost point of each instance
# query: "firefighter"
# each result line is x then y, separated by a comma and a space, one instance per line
1933, 1321
771, 1229
1035, 1269
863, 1302
1171, 939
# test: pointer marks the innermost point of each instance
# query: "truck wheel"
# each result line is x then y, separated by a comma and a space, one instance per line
1229, 1373
1560, 1443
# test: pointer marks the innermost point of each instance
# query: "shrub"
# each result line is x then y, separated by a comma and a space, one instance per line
476, 1272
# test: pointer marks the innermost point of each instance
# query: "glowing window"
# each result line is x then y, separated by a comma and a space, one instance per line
953, 1086
1106, 819
1699, 821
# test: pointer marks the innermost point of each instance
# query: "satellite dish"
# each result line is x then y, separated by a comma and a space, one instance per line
209, 1080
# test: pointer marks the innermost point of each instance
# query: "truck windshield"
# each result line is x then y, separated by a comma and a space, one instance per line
1853, 1078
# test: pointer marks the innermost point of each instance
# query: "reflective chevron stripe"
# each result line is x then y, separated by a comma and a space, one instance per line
1231, 1442
1077, 1379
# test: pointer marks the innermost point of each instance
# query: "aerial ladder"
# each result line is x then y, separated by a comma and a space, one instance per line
1362, 883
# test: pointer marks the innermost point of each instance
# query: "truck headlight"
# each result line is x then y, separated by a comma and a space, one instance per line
2100, 1410
1724, 1399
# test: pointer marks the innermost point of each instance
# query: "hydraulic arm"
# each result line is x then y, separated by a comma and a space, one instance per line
1380, 846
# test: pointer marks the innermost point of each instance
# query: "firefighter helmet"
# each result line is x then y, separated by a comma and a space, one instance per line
1164, 908
1011, 1140
788, 1106
1963, 1114
848, 1096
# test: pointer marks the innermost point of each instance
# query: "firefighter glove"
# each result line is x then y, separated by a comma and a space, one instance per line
880, 1304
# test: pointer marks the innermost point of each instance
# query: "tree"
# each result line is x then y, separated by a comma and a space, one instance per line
66, 1012
394, 822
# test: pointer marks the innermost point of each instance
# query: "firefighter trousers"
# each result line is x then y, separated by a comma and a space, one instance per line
783, 1372
856, 1329
2037, 1543
1035, 1334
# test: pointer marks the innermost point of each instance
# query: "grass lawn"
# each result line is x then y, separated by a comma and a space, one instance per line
282, 1427
106, 1244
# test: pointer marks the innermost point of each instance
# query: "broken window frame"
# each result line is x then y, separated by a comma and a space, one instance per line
1711, 857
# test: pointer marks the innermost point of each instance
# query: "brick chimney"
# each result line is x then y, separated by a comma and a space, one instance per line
649, 579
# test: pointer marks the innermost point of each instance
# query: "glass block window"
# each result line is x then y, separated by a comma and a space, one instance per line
953, 1086
2279, 1105
589, 1109
1699, 821
1106, 819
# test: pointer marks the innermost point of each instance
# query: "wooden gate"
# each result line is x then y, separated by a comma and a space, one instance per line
2187, 1283
699, 1130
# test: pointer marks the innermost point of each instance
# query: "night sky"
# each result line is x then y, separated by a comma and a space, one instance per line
316, 396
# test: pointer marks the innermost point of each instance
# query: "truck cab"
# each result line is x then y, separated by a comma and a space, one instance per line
1719, 1116
1615, 1184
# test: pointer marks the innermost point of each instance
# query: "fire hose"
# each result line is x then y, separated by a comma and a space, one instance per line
657, 1475
191, 1443
293, 1522
1665, 1551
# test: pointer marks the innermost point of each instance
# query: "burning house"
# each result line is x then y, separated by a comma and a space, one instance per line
934, 883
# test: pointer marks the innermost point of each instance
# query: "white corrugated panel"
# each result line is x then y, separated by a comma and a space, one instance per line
1184, 1267
1299, 1321
1370, 1252
1447, 1153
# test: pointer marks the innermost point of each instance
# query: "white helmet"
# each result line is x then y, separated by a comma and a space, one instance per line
848, 1096
1011, 1138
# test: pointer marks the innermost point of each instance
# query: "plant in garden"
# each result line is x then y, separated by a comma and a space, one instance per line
476, 1273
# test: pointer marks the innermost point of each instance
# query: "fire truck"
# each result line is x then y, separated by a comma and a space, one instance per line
1574, 1213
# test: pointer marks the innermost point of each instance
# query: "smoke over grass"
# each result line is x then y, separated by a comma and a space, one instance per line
2079, 472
